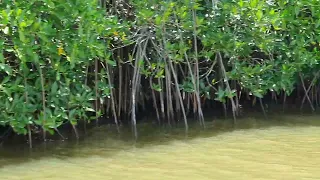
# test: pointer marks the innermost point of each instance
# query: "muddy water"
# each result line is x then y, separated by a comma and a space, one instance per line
287, 148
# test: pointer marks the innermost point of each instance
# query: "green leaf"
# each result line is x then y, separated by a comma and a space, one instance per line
6, 30
297, 10
6, 79
257, 94
72, 113
88, 109
220, 95
156, 87
112, 63
241, 3
6, 68
54, 87
317, 24
1, 56
253, 3
51, 131
160, 74
259, 14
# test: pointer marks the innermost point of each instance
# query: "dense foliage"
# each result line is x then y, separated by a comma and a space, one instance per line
66, 61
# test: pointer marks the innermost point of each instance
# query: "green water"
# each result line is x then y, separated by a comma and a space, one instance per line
281, 148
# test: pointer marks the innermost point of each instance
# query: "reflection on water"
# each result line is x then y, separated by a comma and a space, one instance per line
283, 148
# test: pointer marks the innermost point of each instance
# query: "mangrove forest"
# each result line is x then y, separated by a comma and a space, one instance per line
78, 62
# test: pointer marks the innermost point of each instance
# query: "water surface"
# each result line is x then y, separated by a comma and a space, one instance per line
282, 148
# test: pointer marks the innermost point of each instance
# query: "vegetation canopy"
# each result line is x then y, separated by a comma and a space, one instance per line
71, 61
